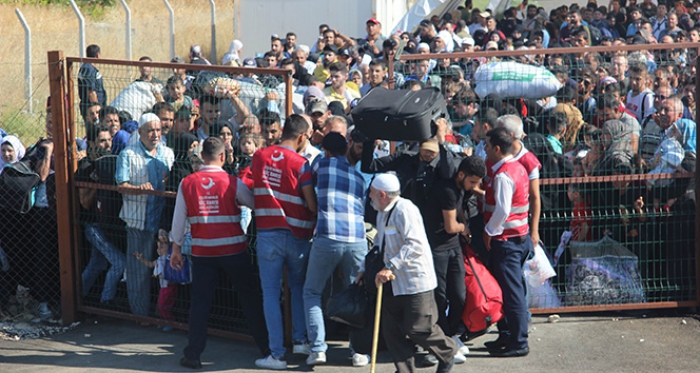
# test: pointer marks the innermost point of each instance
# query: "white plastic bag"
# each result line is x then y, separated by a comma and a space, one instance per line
136, 99
538, 269
512, 79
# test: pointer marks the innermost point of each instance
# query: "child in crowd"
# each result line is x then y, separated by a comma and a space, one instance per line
581, 215
667, 160
176, 91
168, 291
248, 144
557, 128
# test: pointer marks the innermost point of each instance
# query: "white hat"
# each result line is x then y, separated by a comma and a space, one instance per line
468, 41
386, 183
148, 117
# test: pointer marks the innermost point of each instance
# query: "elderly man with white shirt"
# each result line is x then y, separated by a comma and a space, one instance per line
142, 166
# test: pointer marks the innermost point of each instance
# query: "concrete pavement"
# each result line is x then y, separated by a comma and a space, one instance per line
608, 342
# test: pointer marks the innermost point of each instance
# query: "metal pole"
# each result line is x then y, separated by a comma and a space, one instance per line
64, 164
81, 27
128, 29
172, 28
213, 32
27, 60
697, 192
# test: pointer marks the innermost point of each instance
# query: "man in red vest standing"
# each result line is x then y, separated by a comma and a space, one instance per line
285, 208
209, 200
507, 237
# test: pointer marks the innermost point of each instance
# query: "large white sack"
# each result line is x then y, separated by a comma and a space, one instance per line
512, 79
136, 99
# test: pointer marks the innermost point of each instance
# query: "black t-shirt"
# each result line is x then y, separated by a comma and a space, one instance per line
444, 195
85, 173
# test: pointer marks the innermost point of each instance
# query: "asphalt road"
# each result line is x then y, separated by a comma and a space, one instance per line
609, 342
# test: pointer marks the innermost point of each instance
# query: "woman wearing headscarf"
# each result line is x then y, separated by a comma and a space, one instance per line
233, 54
224, 130
12, 151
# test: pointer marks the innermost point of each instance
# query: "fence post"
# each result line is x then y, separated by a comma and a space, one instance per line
63, 159
128, 29
81, 27
27, 60
172, 28
213, 32
697, 192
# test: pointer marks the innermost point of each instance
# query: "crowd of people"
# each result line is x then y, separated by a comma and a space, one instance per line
312, 188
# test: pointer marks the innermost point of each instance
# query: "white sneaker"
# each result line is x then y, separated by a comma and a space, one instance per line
360, 360
271, 363
461, 348
460, 359
316, 358
301, 349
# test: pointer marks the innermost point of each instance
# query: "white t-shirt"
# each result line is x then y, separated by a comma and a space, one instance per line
636, 106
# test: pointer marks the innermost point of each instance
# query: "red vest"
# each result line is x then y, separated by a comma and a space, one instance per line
516, 224
213, 213
528, 160
279, 203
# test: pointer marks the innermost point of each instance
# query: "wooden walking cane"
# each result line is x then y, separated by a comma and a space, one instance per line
377, 318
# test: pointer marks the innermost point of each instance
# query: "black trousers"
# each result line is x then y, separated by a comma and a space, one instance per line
205, 274
414, 316
451, 290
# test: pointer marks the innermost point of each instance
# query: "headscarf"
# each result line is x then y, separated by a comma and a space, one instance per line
687, 128
215, 129
232, 54
182, 146
120, 141
16, 143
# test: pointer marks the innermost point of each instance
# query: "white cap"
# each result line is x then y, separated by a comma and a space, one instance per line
468, 41
386, 183
148, 117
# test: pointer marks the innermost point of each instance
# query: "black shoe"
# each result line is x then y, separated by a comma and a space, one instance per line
445, 367
511, 352
468, 336
192, 364
496, 345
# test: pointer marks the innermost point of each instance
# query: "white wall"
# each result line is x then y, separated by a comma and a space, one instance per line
256, 20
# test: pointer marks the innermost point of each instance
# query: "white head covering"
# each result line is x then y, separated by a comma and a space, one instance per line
386, 183
447, 38
232, 54
19, 150
145, 118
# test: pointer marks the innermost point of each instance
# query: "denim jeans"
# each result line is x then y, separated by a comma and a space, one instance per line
325, 255
138, 276
276, 248
103, 255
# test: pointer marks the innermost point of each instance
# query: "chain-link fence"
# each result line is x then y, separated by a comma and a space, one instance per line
614, 131
29, 273
129, 169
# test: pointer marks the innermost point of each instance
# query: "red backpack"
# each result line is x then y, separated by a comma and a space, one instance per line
484, 303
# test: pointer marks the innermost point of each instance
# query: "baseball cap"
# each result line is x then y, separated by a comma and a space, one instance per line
249, 62
344, 52
485, 14
317, 105
373, 20
425, 23
183, 112
492, 45
177, 59
468, 41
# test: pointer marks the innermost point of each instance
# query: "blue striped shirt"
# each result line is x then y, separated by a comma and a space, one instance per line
340, 190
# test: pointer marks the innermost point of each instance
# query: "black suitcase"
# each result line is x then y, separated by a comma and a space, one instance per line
399, 115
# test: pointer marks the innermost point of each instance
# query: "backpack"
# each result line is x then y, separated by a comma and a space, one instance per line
18, 186
484, 303
596, 35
